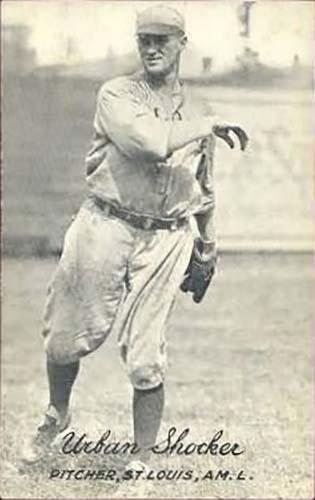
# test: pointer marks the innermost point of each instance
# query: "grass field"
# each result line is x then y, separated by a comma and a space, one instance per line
241, 361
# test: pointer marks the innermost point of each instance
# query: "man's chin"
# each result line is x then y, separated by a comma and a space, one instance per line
155, 70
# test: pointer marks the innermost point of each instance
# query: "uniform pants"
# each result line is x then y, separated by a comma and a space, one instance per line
112, 273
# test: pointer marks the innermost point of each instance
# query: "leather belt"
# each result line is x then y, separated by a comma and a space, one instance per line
139, 221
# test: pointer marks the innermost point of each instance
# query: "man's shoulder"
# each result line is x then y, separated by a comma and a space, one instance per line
122, 85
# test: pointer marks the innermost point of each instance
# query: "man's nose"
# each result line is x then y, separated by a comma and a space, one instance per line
151, 46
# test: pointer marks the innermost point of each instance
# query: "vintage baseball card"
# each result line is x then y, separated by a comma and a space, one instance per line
158, 233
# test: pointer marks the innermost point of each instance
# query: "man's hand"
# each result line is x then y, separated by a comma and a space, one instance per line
200, 269
225, 132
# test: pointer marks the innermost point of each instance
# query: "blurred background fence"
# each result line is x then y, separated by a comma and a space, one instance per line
265, 195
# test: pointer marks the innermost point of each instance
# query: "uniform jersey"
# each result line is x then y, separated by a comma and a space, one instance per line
125, 165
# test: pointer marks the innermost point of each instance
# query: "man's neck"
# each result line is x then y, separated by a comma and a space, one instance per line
164, 83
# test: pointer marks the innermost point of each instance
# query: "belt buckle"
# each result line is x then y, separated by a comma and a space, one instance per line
174, 225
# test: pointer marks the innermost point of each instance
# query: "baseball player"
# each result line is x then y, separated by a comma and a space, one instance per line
131, 246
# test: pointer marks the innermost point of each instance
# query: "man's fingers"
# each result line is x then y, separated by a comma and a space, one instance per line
223, 133
241, 135
228, 140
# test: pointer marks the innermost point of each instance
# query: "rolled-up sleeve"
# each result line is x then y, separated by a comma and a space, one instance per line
131, 124
205, 174
205, 215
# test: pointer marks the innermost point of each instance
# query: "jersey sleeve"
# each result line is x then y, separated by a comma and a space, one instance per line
130, 123
205, 174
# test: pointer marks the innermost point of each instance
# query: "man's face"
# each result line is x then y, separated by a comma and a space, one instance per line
160, 53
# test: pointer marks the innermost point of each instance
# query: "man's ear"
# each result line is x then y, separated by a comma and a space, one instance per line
183, 42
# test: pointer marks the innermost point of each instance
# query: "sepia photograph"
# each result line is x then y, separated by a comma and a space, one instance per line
157, 264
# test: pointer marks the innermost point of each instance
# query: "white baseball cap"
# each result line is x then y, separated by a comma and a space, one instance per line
160, 20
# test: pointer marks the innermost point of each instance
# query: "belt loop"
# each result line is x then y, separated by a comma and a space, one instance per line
106, 209
147, 223
173, 226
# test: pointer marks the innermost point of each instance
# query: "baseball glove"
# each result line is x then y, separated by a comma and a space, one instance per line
223, 132
199, 272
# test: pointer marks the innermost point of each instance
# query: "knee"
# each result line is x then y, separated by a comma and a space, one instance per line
57, 353
146, 377
65, 349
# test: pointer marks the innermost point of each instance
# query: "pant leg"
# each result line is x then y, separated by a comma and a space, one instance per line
156, 268
87, 286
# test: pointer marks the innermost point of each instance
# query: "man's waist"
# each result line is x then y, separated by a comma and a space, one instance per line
135, 219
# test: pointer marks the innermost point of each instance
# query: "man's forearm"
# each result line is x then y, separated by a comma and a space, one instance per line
186, 131
206, 227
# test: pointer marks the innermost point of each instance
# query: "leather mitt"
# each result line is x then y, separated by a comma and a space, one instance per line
199, 272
